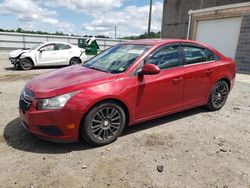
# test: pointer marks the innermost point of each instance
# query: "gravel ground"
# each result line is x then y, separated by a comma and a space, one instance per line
196, 148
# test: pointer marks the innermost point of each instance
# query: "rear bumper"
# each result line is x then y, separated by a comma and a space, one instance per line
232, 82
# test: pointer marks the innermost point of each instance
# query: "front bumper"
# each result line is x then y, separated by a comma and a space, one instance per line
14, 61
60, 125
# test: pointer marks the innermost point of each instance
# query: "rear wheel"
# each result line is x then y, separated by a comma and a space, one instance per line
218, 96
103, 124
25, 64
75, 61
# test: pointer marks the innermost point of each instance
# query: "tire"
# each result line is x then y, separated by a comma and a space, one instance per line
103, 124
75, 61
25, 64
218, 96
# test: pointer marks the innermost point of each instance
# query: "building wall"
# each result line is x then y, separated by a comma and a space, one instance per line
175, 14
243, 50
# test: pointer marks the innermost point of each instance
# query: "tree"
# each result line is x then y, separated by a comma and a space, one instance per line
145, 35
19, 30
60, 33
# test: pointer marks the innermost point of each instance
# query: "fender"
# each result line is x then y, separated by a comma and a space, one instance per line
29, 55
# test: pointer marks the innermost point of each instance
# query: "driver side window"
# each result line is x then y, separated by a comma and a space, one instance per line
166, 57
49, 47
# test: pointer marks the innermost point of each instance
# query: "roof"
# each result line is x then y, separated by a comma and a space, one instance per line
52, 42
158, 42
147, 41
154, 42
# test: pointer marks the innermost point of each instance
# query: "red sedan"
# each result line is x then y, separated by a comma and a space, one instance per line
124, 85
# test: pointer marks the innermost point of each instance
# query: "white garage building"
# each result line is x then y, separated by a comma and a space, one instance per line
227, 28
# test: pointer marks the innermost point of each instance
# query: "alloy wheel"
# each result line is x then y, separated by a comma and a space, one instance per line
105, 123
25, 64
220, 94
74, 61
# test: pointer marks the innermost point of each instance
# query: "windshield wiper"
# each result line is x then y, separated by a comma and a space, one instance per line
95, 68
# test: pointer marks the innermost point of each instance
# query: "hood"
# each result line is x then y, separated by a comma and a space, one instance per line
66, 80
18, 52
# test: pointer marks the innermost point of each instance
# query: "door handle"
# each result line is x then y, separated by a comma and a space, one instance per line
177, 80
209, 71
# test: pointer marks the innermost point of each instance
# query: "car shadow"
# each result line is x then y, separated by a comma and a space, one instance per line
17, 137
10, 69
35, 68
163, 120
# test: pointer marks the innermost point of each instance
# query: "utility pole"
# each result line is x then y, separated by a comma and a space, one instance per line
149, 18
115, 31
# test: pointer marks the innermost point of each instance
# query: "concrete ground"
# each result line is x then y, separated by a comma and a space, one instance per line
196, 148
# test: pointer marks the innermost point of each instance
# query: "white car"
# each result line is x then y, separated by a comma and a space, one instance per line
48, 54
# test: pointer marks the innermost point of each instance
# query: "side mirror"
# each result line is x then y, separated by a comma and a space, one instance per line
41, 50
150, 69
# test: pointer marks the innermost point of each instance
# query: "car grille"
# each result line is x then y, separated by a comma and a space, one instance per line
24, 105
26, 99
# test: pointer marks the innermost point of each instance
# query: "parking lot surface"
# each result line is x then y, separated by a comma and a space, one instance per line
196, 148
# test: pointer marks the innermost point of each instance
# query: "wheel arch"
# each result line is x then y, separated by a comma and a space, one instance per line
226, 79
29, 59
75, 57
209, 104
115, 100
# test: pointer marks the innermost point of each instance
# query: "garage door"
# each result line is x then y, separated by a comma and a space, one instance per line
222, 34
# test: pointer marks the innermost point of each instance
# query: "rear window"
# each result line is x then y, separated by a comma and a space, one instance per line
193, 54
211, 56
63, 46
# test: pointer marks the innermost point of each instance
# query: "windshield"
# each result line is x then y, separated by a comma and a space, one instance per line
116, 59
36, 46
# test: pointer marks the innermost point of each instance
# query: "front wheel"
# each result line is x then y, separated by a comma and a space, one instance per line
25, 64
75, 61
103, 124
218, 96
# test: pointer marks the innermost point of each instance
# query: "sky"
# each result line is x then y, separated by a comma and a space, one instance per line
82, 17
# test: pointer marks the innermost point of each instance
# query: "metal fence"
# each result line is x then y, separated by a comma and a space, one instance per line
19, 40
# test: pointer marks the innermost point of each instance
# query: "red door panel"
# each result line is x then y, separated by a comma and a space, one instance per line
159, 93
197, 83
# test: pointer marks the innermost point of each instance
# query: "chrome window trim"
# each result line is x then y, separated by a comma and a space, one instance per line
204, 62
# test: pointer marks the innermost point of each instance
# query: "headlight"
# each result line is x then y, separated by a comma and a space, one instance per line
54, 102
